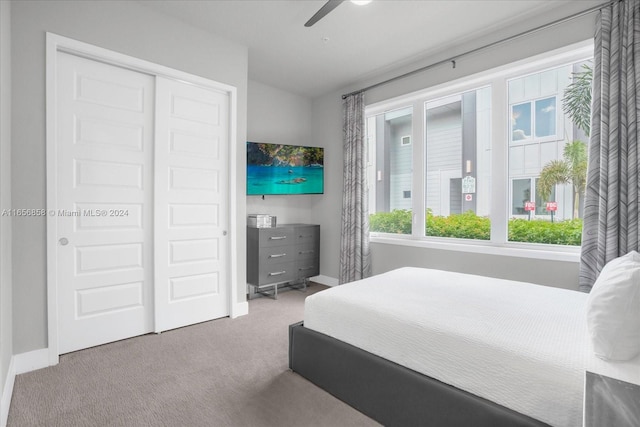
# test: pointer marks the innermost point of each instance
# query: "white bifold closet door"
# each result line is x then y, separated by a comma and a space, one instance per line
141, 195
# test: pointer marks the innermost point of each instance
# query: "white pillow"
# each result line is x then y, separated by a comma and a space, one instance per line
613, 309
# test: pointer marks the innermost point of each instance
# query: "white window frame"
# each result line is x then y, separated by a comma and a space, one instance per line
498, 79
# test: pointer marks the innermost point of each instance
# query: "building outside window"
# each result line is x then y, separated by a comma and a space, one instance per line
458, 147
433, 172
540, 130
389, 138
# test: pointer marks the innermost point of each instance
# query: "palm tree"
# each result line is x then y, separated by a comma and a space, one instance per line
573, 167
577, 99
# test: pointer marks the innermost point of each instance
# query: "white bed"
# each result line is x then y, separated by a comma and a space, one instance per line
520, 345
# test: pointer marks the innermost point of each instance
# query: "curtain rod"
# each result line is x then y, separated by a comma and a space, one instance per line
452, 59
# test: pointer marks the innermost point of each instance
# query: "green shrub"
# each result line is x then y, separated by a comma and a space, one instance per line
468, 225
397, 221
567, 232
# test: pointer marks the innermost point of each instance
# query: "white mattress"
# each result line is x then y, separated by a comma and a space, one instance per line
520, 345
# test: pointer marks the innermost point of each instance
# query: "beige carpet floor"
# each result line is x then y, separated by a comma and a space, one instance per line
220, 373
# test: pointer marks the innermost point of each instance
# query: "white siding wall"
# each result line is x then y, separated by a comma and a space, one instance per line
527, 159
444, 151
400, 165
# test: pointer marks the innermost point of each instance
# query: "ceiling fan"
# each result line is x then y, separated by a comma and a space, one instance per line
328, 7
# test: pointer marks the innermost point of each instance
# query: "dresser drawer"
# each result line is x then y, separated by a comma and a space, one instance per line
307, 234
276, 273
277, 255
308, 268
307, 251
270, 237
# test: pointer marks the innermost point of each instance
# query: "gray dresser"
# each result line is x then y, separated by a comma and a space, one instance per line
288, 253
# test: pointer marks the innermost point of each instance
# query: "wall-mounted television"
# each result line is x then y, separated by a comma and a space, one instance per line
277, 169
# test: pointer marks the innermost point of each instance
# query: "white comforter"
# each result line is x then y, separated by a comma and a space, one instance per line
521, 345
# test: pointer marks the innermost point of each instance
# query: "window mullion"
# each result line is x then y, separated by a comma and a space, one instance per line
499, 160
418, 202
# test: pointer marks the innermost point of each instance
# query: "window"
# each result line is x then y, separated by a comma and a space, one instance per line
542, 113
435, 175
457, 172
391, 170
521, 122
545, 117
523, 205
520, 196
540, 157
545, 206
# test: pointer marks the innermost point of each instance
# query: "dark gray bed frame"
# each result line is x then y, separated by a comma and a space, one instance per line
387, 392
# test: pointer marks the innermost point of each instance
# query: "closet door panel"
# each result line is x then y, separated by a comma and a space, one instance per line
104, 188
191, 204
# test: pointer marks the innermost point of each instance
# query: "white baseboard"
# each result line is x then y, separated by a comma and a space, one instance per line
31, 360
325, 280
239, 309
7, 392
20, 364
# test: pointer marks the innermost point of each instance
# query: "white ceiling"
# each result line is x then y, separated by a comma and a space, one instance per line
353, 42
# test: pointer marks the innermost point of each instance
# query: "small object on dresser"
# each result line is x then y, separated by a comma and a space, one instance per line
261, 221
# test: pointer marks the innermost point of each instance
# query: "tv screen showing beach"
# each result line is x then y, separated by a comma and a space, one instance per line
284, 169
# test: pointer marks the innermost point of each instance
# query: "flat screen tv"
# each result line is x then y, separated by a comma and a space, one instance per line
277, 169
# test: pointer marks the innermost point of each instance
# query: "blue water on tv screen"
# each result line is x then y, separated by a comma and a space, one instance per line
284, 169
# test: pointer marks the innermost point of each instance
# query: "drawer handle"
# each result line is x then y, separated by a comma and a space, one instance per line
302, 236
277, 237
277, 273
277, 255
307, 268
307, 252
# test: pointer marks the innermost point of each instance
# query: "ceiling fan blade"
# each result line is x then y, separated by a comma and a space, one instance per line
328, 7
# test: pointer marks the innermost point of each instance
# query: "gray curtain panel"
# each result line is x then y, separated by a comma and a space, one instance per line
355, 260
611, 201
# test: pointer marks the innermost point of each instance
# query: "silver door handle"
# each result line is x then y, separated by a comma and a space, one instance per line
63, 241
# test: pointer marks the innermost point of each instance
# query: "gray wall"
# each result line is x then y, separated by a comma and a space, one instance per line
559, 274
279, 117
126, 27
327, 128
6, 334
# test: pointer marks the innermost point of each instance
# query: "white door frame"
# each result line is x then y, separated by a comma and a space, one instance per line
55, 44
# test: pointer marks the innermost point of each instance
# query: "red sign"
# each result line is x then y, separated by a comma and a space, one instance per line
468, 197
529, 206
552, 206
